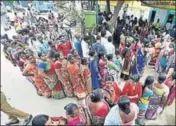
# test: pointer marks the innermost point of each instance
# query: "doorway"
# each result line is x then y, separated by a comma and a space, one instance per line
153, 16
170, 18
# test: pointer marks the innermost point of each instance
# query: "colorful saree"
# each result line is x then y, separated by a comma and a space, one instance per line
127, 62
113, 70
83, 118
43, 89
103, 71
129, 90
143, 105
99, 116
139, 63
114, 90
79, 87
63, 75
155, 106
55, 86
172, 92
86, 77
64, 48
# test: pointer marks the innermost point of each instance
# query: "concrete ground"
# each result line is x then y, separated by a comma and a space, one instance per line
22, 95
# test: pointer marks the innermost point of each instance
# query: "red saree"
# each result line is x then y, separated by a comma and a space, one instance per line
37, 79
56, 86
64, 48
115, 90
63, 75
79, 86
172, 92
130, 91
86, 77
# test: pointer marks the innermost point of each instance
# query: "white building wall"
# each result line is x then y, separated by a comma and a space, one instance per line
160, 14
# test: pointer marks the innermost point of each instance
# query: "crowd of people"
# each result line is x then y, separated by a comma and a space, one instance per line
92, 71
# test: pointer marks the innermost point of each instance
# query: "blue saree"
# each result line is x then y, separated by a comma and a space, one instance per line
139, 63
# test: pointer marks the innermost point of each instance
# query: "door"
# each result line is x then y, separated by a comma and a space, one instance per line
153, 16
170, 18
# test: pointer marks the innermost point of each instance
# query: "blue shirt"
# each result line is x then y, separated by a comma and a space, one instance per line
98, 47
78, 47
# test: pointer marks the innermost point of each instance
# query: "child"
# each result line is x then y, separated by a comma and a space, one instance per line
118, 61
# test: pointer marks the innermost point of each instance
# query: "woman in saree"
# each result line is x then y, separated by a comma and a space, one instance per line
124, 113
79, 87
93, 66
113, 88
170, 82
144, 100
135, 46
139, 62
158, 57
127, 57
63, 75
112, 67
31, 71
75, 56
102, 65
158, 100
47, 71
133, 89
64, 47
45, 120
22, 62
86, 75
97, 107
76, 115
163, 63
171, 60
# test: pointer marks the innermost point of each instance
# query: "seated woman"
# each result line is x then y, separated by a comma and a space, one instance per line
133, 89
158, 100
113, 88
124, 113
76, 115
46, 70
45, 120
144, 100
97, 107
170, 82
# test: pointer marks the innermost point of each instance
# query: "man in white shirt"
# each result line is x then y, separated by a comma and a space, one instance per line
109, 47
103, 38
85, 47
108, 33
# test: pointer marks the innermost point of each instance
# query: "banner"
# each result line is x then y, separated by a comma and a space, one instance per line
169, 5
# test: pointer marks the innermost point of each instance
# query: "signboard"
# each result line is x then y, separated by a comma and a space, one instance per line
170, 5
90, 19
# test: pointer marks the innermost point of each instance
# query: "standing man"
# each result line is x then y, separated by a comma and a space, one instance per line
98, 47
110, 48
85, 47
13, 113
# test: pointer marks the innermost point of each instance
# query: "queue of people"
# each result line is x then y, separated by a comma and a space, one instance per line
59, 67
